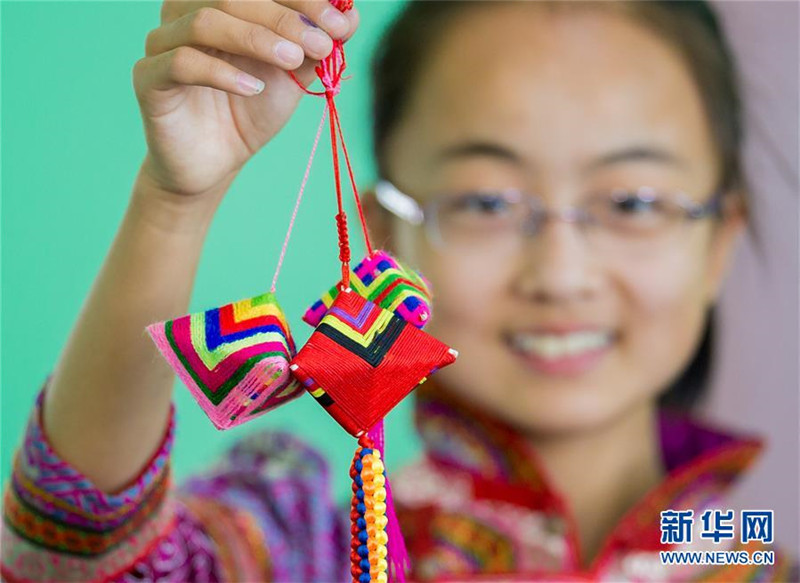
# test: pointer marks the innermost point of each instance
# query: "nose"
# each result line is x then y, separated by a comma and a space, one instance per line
556, 263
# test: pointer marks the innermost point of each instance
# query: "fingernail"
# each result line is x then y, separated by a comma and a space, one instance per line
317, 41
288, 52
334, 19
250, 84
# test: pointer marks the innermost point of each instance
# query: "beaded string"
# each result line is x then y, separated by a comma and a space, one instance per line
368, 515
398, 554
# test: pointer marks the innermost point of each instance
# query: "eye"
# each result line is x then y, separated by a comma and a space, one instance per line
624, 211
482, 204
632, 203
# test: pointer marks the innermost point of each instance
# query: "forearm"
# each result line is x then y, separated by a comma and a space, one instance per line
107, 404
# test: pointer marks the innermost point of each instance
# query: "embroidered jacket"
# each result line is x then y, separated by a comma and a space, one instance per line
476, 507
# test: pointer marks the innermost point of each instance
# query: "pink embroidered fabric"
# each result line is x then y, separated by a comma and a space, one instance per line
476, 505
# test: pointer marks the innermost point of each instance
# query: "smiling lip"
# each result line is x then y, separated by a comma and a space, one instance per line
569, 365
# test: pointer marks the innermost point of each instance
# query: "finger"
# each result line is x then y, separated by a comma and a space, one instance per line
186, 65
321, 14
293, 25
297, 21
354, 18
209, 27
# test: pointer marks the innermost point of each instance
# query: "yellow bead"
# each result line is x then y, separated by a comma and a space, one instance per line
379, 480
377, 466
382, 565
379, 507
378, 493
381, 537
381, 578
381, 551
380, 521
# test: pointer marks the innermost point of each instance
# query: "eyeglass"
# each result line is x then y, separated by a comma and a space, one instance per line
621, 218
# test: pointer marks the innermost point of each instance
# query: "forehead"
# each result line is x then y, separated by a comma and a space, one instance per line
558, 87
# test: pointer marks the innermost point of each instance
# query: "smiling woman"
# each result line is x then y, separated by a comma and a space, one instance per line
567, 176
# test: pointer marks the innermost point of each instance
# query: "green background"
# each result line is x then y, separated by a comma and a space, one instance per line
72, 142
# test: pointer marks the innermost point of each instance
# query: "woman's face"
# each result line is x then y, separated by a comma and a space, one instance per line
556, 104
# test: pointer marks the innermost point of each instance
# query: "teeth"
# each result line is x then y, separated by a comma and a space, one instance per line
556, 346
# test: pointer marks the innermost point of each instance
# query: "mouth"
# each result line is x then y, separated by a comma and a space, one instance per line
562, 354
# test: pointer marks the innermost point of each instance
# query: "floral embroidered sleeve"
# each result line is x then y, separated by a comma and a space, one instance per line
262, 514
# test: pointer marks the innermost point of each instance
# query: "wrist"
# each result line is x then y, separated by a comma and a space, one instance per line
174, 213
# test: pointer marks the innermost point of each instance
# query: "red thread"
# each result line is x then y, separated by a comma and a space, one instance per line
343, 5
367, 241
330, 72
344, 247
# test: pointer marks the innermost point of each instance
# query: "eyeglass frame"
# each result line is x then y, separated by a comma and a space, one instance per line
409, 209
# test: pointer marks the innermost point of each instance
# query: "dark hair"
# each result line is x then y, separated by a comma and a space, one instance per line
691, 27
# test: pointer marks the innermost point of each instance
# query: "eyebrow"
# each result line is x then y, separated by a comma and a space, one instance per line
634, 153
637, 153
478, 148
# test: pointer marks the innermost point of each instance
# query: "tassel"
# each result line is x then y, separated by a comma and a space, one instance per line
397, 552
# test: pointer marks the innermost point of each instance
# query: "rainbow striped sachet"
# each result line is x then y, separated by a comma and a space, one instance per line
386, 281
234, 359
362, 360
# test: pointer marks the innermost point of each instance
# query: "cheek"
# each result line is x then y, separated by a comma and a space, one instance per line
664, 312
465, 288
464, 296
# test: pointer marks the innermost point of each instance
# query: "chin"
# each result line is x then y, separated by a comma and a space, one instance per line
555, 410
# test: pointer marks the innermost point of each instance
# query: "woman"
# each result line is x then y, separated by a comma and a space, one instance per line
576, 194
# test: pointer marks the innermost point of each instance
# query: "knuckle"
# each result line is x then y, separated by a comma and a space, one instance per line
166, 11
253, 40
281, 21
183, 58
224, 5
202, 20
136, 70
150, 43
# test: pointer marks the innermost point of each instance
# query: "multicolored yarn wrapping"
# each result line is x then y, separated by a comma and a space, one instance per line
368, 516
234, 359
389, 283
362, 360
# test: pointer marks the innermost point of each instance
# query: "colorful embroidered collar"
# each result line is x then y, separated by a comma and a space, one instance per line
702, 463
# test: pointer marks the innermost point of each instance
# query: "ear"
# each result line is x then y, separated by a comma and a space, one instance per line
724, 239
379, 221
